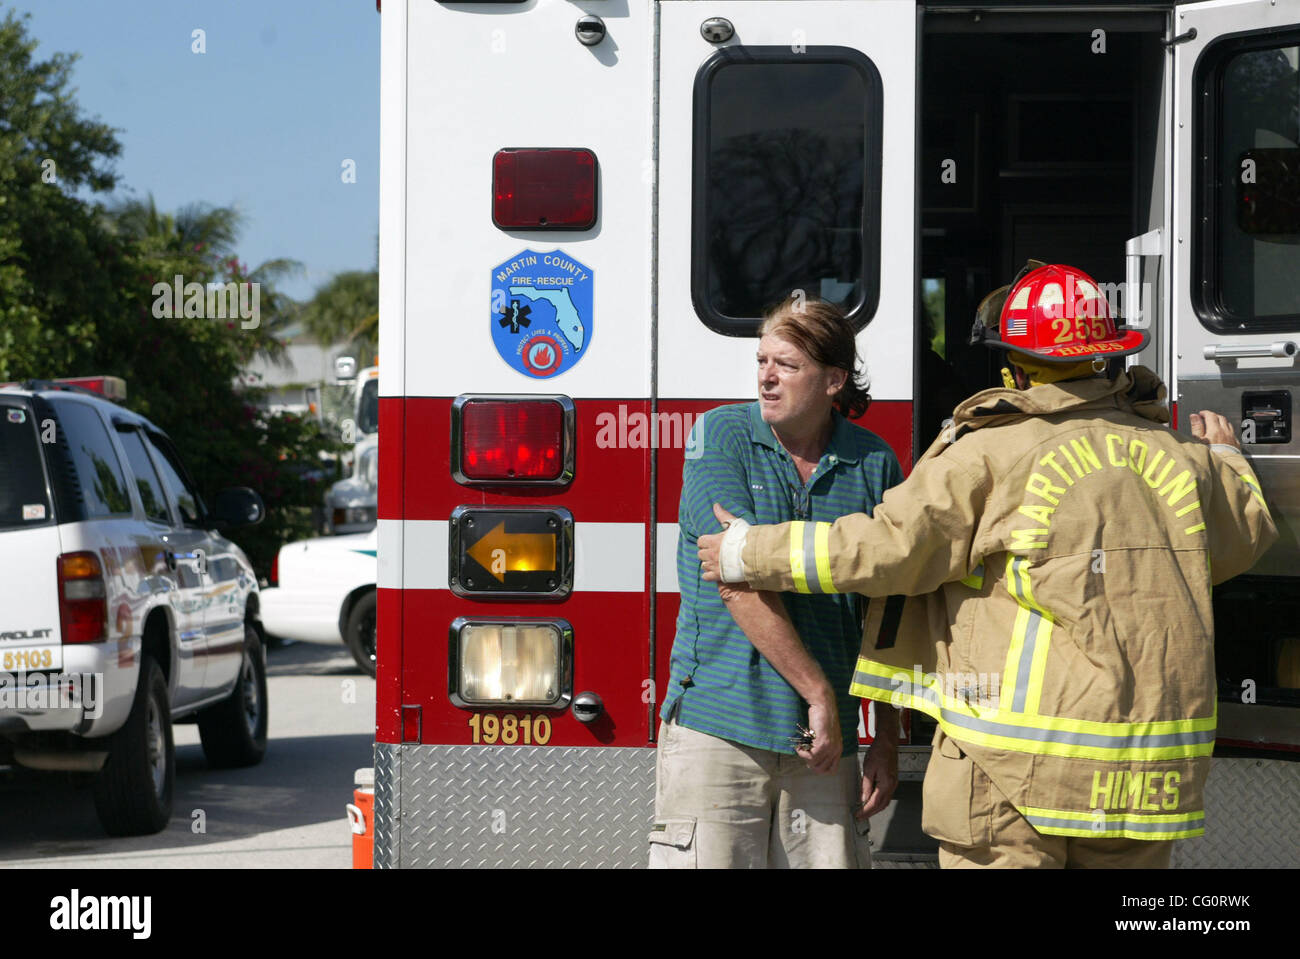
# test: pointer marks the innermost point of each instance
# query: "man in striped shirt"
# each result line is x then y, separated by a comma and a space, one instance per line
733, 788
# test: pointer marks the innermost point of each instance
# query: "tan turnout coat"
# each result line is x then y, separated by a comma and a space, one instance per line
1061, 542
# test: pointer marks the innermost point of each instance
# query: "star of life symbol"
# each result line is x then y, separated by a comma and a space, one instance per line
516, 316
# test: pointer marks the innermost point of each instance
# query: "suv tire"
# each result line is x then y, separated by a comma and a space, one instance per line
233, 732
362, 631
133, 792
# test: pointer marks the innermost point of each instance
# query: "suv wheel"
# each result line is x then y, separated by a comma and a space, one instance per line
361, 632
133, 792
233, 732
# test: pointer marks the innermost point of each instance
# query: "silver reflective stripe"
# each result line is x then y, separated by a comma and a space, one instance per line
1031, 636
810, 558
1100, 740
1109, 823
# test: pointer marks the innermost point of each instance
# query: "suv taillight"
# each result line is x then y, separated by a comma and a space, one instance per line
498, 439
83, 598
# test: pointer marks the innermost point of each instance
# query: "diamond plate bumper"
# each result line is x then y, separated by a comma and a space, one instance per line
512, 806
1252, 817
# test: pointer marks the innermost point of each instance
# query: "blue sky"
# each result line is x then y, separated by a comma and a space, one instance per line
263, 120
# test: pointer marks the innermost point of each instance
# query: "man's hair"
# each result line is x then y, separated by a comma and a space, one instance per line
820, 329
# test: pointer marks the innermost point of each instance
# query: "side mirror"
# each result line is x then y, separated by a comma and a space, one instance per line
345, 368
237, 507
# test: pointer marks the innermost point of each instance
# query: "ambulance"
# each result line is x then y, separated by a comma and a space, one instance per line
585, 206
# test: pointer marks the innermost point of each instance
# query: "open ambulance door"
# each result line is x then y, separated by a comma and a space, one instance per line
1235, 266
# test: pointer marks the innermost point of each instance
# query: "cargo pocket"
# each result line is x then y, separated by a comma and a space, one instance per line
672, 844
946, 796
862, 842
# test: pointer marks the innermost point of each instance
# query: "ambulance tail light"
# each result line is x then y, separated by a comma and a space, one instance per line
544, 189
511, 663
512, 439
83, 600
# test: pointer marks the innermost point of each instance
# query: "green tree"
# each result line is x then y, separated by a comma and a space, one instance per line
346, 310
77, 296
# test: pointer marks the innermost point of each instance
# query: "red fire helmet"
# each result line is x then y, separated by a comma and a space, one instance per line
1057, 314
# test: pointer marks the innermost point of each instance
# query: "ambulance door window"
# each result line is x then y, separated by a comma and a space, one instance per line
1249, 260
787, 183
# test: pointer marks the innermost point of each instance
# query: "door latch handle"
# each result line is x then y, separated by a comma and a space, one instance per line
1237, 351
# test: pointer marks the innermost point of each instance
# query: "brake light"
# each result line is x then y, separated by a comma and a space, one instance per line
546, 189
83, 598
505, 440
275, 570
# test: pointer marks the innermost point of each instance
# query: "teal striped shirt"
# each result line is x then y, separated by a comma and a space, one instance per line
718, 682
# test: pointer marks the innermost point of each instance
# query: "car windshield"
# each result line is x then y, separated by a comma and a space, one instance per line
368, 407
23, 498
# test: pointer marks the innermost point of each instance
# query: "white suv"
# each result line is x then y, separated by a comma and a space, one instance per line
122, 609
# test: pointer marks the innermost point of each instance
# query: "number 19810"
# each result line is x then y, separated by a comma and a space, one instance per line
489, 728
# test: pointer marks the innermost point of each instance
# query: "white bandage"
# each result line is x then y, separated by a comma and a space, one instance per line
731, 566
1224, 448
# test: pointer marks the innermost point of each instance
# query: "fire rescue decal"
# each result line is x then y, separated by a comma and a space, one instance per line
541, 312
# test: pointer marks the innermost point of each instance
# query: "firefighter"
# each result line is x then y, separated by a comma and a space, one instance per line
737, 785
1062, 542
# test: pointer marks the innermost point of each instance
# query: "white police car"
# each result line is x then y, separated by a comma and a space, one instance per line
323, 591
122, 608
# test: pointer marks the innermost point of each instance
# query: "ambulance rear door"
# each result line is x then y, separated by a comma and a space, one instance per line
786, 137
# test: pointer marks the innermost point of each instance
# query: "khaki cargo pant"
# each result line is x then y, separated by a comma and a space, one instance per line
978, 827
721, 805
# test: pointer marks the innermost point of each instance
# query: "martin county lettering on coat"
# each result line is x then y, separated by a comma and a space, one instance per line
1083, 460
75, 913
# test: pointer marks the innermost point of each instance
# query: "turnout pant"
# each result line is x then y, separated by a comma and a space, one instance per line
978, 827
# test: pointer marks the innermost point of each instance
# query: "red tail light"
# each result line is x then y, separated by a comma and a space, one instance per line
83, 598
544, 189
275, 570
506, 440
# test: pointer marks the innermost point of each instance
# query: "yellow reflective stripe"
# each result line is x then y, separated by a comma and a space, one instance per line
823, 548
975, 578
1254, 489
1194, 529
1039, 735
1188, 508
796, 557
1115, 824
1031, 636
1043, 641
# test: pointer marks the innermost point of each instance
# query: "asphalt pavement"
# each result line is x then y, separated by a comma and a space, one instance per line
287, 812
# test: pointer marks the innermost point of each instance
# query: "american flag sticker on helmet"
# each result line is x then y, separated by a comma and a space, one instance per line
1016, 326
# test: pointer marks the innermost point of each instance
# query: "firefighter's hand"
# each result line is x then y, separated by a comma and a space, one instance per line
879, 778
824, 721
1213, 428
710, 547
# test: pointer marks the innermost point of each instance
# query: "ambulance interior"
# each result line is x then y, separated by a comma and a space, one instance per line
1041, 136
1057, 129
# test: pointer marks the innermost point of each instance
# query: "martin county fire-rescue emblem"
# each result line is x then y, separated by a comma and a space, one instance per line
541, 312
